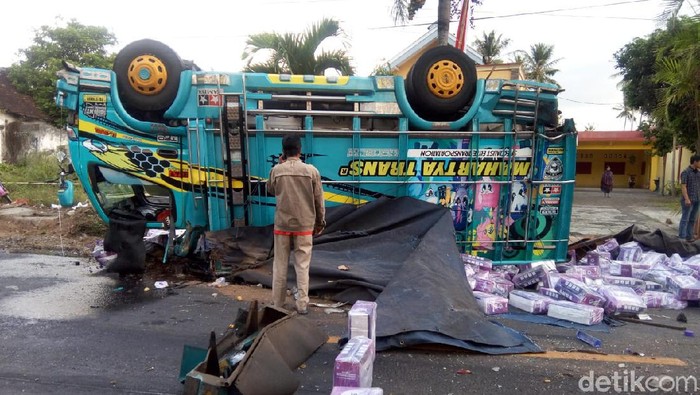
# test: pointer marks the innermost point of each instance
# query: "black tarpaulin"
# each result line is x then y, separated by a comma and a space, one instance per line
402, 252
659, 241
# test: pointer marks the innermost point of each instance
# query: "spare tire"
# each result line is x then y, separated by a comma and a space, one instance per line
148, 75
441, 83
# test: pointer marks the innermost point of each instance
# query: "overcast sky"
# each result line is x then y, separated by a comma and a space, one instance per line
585, 34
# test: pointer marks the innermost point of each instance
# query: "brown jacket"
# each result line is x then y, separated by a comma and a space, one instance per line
297, 187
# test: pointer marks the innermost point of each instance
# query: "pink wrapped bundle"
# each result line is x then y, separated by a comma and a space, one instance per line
493, 285
483, 264
586, 271
354, 365
666, 300
593, 257
469, 270
621, 300
630, 252
491, 304
652, 286
650, 258
508, 270
639, 286
611, 246
551, 293
529, 277
578, 292
684, 287
529, 301
629, 269
579, 313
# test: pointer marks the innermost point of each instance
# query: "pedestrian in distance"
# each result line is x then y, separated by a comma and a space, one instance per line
690, 199
606, 182
299, 215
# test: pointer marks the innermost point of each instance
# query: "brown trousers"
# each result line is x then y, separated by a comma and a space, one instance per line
302, 261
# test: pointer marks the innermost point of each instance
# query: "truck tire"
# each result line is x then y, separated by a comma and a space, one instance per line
148, 75
441, 83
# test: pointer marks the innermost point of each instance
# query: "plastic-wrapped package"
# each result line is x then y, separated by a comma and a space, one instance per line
529, 277
483, 264
652, 286
674, 260
551, 293
357, 391
611, 246
666, 300
493, 285
621, 299
354, 365
579, 313
630, 251
469, 270
529, 301
491, 304
629, 269
684, 287
650, 258
362, 319
508, 270
639, 286
578, 292
586, 271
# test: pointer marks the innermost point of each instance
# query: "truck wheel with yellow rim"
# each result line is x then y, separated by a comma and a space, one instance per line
148, 76
441, 83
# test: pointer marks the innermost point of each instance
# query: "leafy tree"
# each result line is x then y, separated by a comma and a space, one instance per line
538, 63
382, 69
297, 53
659, 78
589, 127
490, 46
35, 73
404, 11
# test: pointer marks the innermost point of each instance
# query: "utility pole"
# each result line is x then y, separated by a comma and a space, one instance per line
673, 167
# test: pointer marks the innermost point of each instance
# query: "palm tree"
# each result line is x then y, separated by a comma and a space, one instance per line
589, 127
297, 53
404, 11
539, 65
627, 113
490, 46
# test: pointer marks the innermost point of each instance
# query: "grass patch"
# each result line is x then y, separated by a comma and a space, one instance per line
37, 168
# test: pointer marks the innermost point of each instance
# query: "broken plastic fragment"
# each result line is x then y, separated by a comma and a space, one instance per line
161, 284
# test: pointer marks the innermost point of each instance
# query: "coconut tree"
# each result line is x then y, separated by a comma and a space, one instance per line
298, 53
538, 63
627, 113
404, 11
490, 46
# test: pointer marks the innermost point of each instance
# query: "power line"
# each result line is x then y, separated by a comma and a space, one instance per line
587, 102
560, 9
543, 13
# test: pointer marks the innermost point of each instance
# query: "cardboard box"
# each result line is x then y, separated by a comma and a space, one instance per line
353, 366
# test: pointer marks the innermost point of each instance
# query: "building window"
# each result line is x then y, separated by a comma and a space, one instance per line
584, 167
616, 167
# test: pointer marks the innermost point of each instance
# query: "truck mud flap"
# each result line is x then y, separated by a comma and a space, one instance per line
282, 343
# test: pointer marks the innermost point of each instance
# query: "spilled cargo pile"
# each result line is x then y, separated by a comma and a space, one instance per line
611, 279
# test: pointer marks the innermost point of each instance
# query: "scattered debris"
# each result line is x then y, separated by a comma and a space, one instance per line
118, 289
495, 368
464, 371
644, 317
331, 310
631, 352
689, 333
343, 268
160, 284
682, 318
219, 282
146, 289
588, 339
329, 305
547, 380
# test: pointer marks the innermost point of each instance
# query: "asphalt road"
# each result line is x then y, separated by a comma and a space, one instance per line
66, 329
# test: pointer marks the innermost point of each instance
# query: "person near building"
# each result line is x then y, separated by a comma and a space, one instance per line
690, 201
606, 182
299, 215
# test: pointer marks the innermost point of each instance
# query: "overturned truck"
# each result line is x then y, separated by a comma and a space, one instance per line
158, 141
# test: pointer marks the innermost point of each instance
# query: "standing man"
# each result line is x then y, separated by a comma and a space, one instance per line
299, 215
690, 188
